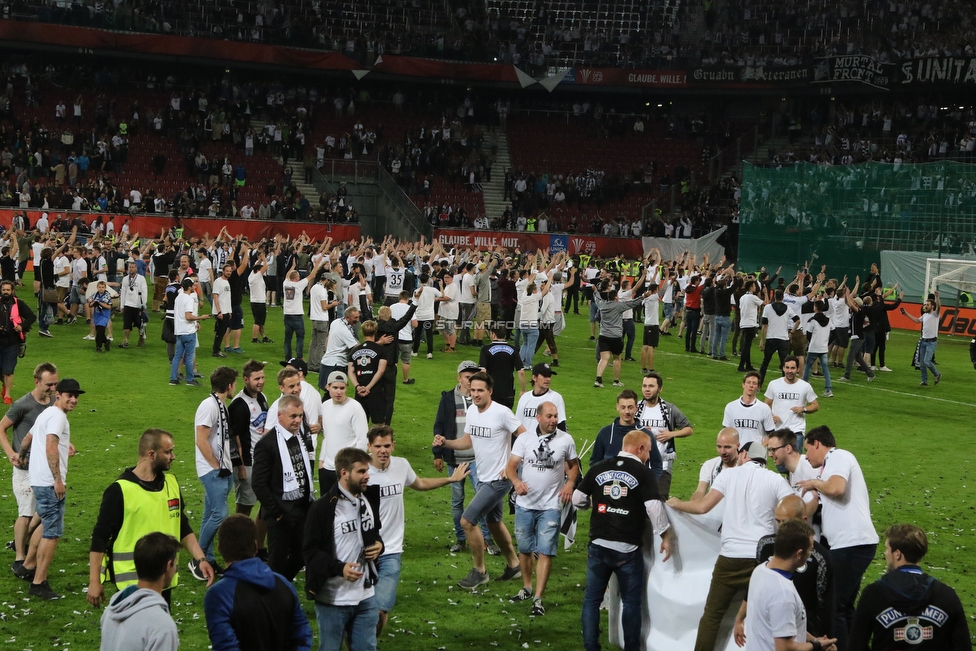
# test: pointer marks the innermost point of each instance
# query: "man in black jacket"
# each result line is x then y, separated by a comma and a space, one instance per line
340, 569
907, 608
16, 320
282, 482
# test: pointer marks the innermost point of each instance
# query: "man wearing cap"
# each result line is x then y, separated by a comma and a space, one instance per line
665, 422
544, 467
344, 426
530, 401
142, 500
450, 420
48, 471
185, 326
753, 492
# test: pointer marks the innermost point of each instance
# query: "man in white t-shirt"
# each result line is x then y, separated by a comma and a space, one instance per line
748, 308
779, 322
344, 425
293, 309
320, 303
846, 520
776, 612
930, 337
752, 418
488, 429
426, 297
222, 309
213, 435
185, 328
782, 447
544, 467
449, 311
392, 475
468, 301
665, 422
530, 401
791, 399
753, 492
840, 318
258, 297
48, 471
727, 446
205, 272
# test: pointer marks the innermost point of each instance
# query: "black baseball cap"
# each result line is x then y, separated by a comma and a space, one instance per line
296, 363
69, 385
543, 369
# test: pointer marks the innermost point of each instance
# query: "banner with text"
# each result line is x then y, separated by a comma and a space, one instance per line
938, 71
631, 78
151, 225
854, 68
730, 76
556, 242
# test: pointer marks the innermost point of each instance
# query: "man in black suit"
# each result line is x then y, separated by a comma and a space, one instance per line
282, 482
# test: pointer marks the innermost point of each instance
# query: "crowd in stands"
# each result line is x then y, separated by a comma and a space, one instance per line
538, 36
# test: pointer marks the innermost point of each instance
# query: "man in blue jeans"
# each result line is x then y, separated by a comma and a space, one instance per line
185, 317
623, 493
213, 458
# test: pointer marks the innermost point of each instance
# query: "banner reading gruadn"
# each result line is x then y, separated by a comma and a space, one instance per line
676, 589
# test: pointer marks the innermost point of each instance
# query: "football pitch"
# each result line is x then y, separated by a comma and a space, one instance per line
914, 445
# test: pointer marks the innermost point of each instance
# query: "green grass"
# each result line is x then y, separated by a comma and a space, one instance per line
914, 445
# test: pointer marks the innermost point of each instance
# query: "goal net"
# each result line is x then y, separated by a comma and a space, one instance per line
955, 278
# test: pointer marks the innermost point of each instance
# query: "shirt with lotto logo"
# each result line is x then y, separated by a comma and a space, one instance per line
365, 359
397, 476
491, 434
544, 458
618, 488
529, 403
785, 396
753, 421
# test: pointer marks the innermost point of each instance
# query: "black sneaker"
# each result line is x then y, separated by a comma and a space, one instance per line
492, 548
522, 595
43, 591
22, 572
473, 579
265, 340
174, 383
218, 354
195, 570
538, 610
458, 547
255, 341
510, 573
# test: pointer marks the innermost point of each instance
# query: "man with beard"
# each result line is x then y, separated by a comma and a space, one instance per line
16, 320
727, 445
342, 543
141, 501
665, 422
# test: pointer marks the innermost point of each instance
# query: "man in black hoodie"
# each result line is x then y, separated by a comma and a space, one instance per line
907, 608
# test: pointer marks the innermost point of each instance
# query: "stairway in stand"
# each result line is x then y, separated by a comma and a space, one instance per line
494, 190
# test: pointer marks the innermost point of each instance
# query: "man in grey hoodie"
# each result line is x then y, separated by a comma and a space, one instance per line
137, 618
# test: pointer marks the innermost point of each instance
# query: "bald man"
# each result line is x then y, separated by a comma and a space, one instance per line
727, 445
814, 582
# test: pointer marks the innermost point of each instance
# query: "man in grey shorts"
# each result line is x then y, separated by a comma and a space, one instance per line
20, 417
488, 428
247, 415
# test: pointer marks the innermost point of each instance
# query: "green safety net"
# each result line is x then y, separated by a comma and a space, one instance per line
844, 216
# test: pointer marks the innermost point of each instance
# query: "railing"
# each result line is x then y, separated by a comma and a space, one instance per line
403, 208
336, 170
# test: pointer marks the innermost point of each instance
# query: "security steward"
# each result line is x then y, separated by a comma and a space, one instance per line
144, 499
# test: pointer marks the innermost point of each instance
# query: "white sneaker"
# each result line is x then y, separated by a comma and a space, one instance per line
874, 368
89, 338
430, 356
885, 369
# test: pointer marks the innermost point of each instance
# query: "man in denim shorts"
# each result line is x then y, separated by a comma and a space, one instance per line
48, 471
488, 428
549, 468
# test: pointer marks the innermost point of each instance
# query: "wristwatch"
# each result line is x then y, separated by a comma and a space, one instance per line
817, 646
